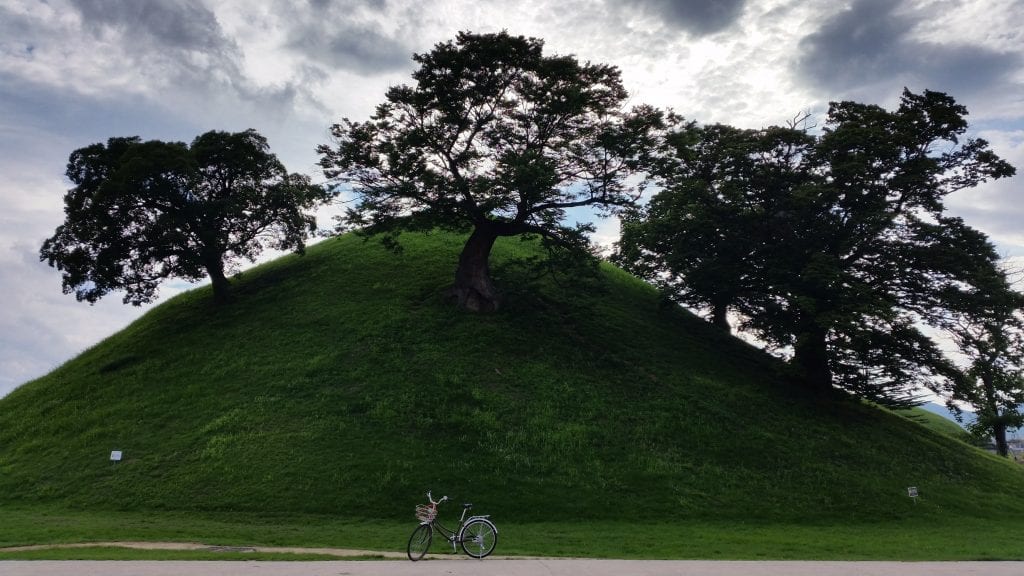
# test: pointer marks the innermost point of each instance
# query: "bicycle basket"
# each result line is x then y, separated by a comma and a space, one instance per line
425, 513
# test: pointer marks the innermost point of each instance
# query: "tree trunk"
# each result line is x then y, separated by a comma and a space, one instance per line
998, 424
719, 317
811, 354
221, 286
474, 290
999, 432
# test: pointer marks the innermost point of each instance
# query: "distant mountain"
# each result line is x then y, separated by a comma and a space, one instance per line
968, 417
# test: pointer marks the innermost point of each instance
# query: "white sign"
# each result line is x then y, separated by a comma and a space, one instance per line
912, 491
115, 455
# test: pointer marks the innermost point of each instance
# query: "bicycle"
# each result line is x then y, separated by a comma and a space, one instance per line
477, 534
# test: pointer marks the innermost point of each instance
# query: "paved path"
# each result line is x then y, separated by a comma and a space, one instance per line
195, 546
492, 567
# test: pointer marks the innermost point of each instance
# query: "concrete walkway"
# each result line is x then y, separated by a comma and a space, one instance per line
494, 567
194, 546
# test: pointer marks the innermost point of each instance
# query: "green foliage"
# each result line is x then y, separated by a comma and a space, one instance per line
497, 138
834, 246
340, 384
702, 240
141, 212
991, 334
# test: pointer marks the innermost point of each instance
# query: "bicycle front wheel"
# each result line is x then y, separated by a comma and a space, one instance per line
479, 537
419, 542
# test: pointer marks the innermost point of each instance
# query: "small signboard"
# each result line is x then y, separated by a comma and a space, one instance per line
115, 456
912, 492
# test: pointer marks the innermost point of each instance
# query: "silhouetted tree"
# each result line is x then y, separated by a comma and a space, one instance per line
874, 253
835, 246
702, 239
141, 212
991, 335
494, 138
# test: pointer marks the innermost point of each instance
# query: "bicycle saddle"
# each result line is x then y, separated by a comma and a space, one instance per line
467, 505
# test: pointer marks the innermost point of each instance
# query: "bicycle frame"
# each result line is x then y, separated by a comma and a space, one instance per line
452, 536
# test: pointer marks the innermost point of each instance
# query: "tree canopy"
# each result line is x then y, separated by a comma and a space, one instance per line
835, 246
141, 212
494, 138
702, 240
990, 334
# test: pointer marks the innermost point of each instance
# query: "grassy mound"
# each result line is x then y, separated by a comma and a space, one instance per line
342, 383
939, 424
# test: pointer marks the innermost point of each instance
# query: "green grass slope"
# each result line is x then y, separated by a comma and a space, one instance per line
342, 383
937, 423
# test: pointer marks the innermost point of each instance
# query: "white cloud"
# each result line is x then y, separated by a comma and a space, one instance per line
997, 208
42, 327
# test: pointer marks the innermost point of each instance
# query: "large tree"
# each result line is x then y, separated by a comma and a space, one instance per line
702, 239
870, 251
839, 242
990, 334
494, 138
141, 212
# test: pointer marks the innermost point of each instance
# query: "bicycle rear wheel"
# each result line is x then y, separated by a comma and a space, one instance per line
479, 537
419, 542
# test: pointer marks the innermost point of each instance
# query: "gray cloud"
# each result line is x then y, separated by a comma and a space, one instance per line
872, 44
697, 17
184, 24
57, 119
181, 44
16, 30
348, 35
361, 50
348, 5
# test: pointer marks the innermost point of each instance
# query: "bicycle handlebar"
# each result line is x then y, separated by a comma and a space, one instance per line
431, 499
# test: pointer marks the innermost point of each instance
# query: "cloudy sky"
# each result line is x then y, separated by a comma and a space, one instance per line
76, 72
